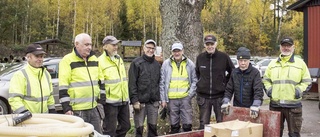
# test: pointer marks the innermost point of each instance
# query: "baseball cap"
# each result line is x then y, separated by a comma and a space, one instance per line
210, 38
150, 41
178, 46
110, 40
35, 49
287, 40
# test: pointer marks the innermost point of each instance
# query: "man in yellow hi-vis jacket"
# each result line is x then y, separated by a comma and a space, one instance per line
285, 79
31, 88
80, 82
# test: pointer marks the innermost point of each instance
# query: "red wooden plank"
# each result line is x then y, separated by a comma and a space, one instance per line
196, 133
269, 119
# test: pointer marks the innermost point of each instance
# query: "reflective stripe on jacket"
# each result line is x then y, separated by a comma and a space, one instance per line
166, 71
115, 79
179, 84
31, 89
80, 79
284, 78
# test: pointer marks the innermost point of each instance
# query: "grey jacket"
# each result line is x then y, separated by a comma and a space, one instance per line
166, 71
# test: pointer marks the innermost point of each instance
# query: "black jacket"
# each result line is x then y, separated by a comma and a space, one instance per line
211, 72
246, 86
144, 78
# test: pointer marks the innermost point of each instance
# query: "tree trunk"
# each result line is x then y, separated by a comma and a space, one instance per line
181, 22
74, 20
58, 19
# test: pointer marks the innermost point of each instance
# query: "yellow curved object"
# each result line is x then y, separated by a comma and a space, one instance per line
45, 125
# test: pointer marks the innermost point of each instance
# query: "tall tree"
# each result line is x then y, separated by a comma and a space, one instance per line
181, 22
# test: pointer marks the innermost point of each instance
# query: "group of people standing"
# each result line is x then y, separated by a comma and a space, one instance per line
86, 80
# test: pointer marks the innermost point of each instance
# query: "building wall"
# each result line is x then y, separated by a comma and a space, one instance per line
314, 37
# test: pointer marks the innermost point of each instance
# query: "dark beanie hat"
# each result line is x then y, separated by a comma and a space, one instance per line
243, 53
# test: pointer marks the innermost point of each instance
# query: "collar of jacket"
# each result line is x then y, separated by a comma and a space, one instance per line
183, 58
116, 56
248, 70
147, 58
36, 71
77, 54
290, 60
210, 55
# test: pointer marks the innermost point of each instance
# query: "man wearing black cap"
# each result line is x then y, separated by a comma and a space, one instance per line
285, 79
116, 107
81, 82
211, 68
31, 88
144, 78
245, 84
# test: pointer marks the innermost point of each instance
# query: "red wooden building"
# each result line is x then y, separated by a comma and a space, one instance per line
311, 20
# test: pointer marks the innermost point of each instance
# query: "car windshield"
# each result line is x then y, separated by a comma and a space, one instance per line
234, 61
7, 73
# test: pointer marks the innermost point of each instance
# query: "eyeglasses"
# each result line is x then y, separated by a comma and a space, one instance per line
150, 48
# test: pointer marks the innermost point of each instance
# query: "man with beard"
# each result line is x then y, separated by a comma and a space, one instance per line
116, 107
285, 79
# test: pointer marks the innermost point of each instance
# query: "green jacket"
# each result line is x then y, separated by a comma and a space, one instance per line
115, 78
31, 89
285, 79
79, 82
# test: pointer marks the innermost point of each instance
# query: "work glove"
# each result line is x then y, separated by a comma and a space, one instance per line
136, 105
163, 113
297, 94
225, 108
102, 99
254, 111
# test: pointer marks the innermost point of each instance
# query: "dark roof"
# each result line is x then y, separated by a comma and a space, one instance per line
131, 43
301, 4
50, 42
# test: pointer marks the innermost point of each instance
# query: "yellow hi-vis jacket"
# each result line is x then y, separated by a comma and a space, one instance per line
31, 89
284, 79
78, 82
115, 78
179, 84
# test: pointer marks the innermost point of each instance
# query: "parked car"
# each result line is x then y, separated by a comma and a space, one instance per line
235, 62
52, 65
262, 65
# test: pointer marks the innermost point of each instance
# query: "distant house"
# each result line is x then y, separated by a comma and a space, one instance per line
131, 50
311, 21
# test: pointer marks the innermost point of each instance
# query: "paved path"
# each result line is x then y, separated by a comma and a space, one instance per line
311, 119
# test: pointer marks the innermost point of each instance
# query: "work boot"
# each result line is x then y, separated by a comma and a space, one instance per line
152, 130
186, 127
175, 129
139, 131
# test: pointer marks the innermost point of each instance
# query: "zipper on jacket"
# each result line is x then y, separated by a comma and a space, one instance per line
210, 75
241, 88
90, 82
39, 78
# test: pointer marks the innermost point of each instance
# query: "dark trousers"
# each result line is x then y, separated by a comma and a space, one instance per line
205, 108
91, 116
117, 120
293, 116
149, 110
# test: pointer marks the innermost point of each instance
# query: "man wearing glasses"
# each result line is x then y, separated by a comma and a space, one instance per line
144, 77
